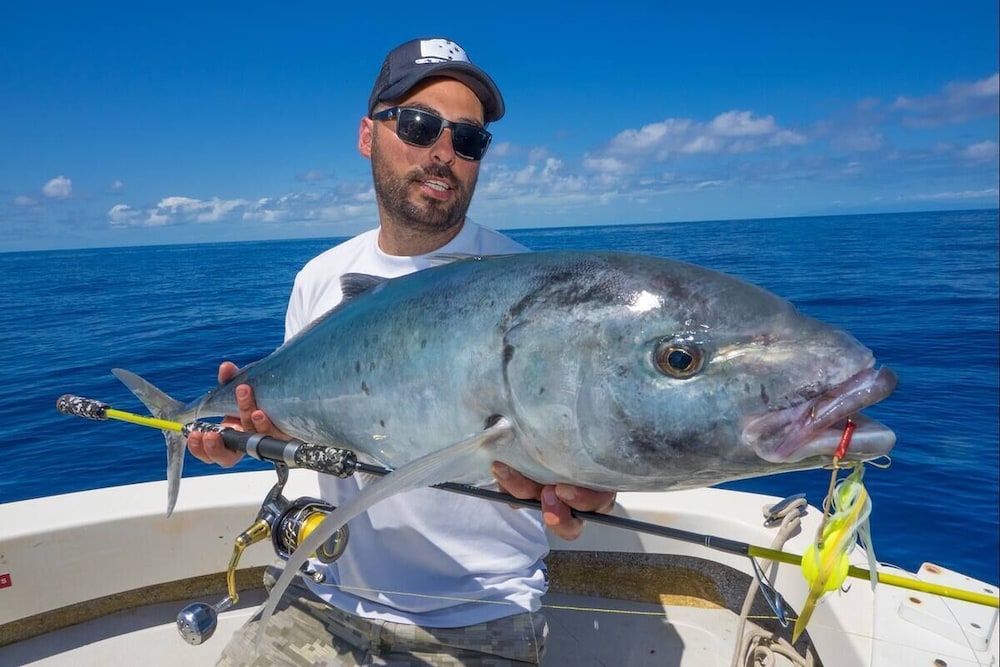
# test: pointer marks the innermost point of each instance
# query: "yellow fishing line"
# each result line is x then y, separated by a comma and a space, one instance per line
887, 578
152, 422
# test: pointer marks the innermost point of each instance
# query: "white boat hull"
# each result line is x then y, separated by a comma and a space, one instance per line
97, 578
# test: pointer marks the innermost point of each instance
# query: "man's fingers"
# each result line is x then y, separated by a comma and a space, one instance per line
247, 405
556, 515
586, 500
558, 501
209, 448
262, 424
251, 419
514, 482
216, 449
197, 448
227, 371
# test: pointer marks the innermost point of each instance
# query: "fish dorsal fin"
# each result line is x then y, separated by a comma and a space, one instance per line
353, 284
441, 258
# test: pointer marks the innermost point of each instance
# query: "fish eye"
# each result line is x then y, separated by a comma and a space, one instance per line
678, 360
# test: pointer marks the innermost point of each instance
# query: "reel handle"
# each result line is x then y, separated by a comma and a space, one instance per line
197, 622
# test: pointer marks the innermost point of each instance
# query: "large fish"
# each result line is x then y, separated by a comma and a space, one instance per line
606, 370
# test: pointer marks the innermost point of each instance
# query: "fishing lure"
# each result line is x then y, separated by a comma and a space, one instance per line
825, 563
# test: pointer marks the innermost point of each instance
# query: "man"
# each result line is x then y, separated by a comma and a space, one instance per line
427, 578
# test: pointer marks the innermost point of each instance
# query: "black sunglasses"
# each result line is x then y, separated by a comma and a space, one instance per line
422, 128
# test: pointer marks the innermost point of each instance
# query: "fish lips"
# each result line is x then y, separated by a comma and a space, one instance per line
815, 428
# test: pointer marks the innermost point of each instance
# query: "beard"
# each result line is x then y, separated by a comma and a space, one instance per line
393, 195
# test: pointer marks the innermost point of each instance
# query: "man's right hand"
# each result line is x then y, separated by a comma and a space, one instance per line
208, 447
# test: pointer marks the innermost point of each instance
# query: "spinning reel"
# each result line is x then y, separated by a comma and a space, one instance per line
287, 523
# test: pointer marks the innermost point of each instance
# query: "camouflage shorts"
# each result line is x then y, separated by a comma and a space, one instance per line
305, 631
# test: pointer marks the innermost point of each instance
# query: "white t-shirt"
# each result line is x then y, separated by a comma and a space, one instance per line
427, 557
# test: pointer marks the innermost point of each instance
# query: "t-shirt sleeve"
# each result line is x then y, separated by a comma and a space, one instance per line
294, 313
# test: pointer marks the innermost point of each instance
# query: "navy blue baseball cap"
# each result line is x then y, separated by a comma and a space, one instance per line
411, 62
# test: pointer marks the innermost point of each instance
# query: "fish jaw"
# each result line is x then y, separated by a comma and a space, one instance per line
814, 428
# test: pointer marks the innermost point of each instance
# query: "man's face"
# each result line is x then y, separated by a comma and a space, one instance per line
426, 188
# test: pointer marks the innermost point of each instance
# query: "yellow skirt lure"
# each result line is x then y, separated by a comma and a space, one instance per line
825, 563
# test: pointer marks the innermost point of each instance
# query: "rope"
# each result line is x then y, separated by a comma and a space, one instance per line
754, 646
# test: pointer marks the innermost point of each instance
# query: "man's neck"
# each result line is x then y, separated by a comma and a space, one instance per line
404, 242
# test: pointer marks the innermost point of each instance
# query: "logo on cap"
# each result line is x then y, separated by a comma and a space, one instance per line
440, 51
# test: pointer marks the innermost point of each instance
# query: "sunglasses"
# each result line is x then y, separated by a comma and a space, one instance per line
422, 128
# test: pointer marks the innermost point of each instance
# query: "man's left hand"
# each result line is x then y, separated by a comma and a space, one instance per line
556, 499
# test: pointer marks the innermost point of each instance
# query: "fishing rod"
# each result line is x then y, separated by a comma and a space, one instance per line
343, 463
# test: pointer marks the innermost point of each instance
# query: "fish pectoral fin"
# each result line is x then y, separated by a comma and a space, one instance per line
498, 433
461, 460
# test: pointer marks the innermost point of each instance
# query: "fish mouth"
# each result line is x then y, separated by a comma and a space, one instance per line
815, 428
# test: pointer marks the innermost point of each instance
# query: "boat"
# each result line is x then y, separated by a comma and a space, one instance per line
99, 577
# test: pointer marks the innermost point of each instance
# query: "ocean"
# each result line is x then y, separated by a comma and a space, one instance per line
920, 289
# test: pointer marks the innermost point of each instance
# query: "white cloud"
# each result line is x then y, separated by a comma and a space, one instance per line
277, 209
530, 182
984, 151
501, 149
857, 139
185, 209
175, 211
538, 154
741, 124
22, 200
59, 187
311, 206
648, 138
702, 144
957, 103
852, 168
117, 186
988, 193
122, 215
730, 132
606, 165
312, 176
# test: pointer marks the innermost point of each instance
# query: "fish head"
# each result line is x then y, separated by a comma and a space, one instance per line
669, 375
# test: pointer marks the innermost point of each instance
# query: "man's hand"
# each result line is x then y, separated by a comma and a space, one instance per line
208, 447
556, 500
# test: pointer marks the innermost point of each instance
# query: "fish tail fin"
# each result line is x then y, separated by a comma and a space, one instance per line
161, 406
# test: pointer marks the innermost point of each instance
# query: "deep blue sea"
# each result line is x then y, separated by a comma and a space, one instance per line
920, 289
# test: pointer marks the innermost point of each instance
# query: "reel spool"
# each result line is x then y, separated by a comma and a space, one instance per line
298, 521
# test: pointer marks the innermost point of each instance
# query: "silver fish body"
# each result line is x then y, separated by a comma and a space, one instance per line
613, 371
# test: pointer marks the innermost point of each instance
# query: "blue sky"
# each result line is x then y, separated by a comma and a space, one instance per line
135, 123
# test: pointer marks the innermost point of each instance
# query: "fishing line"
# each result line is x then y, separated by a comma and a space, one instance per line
280, 451
662, 613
